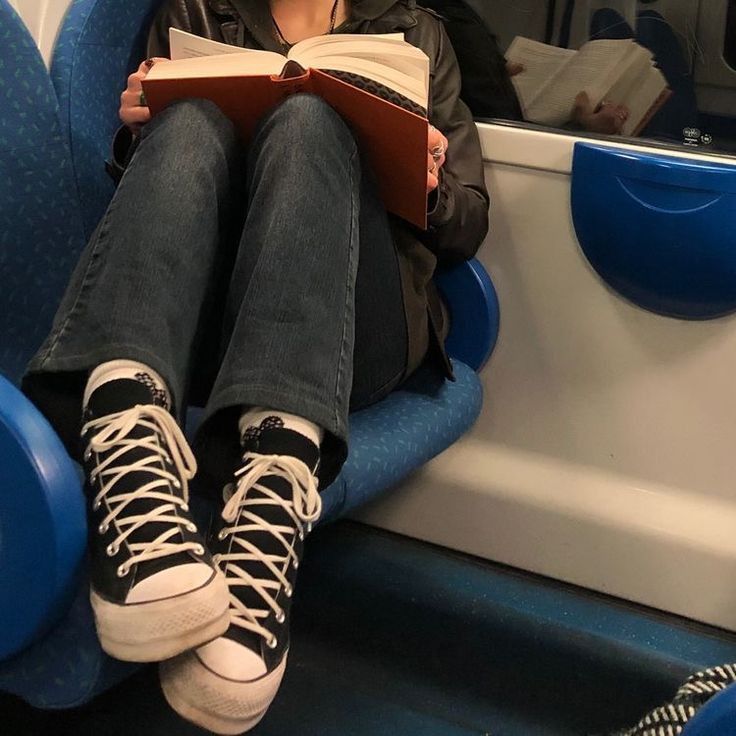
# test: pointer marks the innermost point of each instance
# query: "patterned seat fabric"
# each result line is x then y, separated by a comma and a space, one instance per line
100, 43
41, 233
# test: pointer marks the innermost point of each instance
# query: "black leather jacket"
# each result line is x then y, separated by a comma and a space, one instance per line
458, 217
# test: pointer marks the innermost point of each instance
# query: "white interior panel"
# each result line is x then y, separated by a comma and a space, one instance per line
43, 18
604, 454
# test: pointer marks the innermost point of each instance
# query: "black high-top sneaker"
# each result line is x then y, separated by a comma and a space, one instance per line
226, 686
155, 590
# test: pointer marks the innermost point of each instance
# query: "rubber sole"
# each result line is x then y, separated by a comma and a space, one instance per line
157, 630
215, 703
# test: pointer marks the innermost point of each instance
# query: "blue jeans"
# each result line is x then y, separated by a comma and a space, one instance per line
259, 277
654, 33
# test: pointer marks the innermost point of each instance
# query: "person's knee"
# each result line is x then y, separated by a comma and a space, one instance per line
196, 122
307, 120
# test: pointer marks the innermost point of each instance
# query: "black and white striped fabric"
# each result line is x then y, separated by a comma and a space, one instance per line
671, 719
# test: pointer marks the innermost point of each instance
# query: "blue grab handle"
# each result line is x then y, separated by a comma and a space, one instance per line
659, 230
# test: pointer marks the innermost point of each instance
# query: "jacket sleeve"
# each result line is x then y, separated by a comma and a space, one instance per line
458, 217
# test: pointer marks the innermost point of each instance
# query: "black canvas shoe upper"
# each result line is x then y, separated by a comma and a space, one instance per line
137, 467
268, 512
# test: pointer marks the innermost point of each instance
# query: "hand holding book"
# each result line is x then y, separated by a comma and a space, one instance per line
436, 154
134, 112
378, 84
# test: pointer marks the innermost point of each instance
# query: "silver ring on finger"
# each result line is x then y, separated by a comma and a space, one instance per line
142, 102
438, 151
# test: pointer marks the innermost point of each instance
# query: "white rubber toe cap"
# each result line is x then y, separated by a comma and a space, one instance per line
169, 583
229, 659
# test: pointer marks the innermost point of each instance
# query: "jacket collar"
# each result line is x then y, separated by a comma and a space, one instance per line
383, 16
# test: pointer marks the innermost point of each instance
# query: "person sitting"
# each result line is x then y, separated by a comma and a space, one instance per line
268, 283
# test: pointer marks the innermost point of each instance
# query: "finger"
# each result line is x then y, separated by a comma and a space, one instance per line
582, 102
432, 182
513, 68
434, 137
131, 98
135, 116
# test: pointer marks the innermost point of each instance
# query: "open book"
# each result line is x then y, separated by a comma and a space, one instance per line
379, 84
619, 71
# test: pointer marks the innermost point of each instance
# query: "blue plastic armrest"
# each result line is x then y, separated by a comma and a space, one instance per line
42, 523
471, 299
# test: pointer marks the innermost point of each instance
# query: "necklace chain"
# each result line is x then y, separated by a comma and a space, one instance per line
286, 44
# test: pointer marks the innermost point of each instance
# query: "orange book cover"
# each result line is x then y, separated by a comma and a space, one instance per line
392, 139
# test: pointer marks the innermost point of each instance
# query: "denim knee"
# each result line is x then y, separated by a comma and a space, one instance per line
192, 132
307, 120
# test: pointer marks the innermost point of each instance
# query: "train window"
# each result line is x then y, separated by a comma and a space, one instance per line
532, 63
729, 47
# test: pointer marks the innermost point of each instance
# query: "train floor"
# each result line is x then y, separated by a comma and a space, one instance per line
394, 636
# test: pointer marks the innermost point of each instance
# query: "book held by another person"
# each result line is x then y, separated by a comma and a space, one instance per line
379, 84
619, 71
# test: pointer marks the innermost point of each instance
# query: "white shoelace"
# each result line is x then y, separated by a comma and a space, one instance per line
304, 508
111, 433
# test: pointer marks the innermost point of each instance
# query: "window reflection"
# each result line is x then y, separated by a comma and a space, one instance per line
729, 47
684, 50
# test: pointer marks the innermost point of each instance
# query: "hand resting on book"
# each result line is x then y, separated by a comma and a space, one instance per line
133, 112
608, 118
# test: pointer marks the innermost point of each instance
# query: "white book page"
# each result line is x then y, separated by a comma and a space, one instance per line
223, 65
405, 85
385, 39
540, 61
645, 94
629, 75
398, 56
188, 46
590, 71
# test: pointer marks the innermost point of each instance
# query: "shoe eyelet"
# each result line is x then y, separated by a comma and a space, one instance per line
96, 505
280, 617
288, 591
122, 571
222, 534
295, 564
112, 549
199, 550
87, 455
92, 477
102, 528
192, 527
272, 642
301, 536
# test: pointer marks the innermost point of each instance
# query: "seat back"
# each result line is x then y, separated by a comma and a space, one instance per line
41, 232
99, 44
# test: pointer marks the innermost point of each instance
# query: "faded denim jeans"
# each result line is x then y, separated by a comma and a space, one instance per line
258, 277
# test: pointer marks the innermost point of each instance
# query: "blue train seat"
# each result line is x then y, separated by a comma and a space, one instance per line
54, 136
